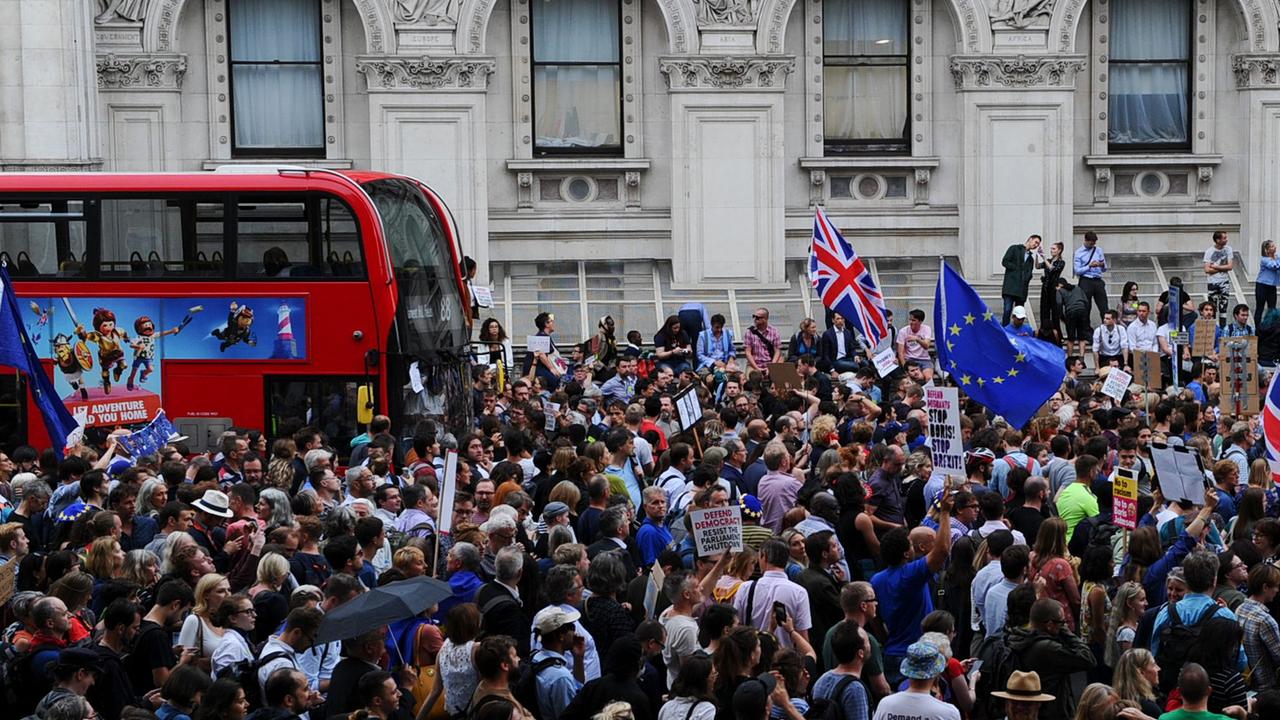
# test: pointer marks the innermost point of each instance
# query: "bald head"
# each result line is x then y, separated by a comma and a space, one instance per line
922, 539
757, 429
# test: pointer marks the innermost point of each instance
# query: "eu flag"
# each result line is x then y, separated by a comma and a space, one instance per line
16, 351
1012, 376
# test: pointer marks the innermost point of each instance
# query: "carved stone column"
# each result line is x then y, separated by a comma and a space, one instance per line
428, 120
727, 162
1258, 77
1017, 118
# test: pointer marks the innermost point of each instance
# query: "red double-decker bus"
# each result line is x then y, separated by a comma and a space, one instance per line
265, 297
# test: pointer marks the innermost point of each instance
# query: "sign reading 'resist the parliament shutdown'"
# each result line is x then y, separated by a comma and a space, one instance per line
716, 530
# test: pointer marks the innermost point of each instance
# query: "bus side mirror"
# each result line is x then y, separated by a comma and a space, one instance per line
364, 404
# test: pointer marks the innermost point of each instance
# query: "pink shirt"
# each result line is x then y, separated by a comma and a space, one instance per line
773, 587
777, 492
756, 348
912, 348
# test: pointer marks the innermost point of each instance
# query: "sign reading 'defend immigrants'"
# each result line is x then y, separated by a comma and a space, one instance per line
945, 440
716, 530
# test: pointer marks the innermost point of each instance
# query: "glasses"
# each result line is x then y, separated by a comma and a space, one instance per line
759, 317
249, 610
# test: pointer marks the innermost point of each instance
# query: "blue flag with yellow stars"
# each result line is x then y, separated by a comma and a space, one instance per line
1012, 376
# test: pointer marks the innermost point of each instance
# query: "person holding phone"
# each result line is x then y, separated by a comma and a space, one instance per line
758, 603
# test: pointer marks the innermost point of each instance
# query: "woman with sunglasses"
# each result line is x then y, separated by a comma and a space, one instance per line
236, 617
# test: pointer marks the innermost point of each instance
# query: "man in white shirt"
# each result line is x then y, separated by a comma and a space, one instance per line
1110, 342
281, 651
1142, 332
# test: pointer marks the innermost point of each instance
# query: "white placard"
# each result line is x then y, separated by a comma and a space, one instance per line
483, 296
688, 408
716, 530
415, 377
448, 490
538, 343
945, 440
550, 409
1117, 384
886, 361
1180, 473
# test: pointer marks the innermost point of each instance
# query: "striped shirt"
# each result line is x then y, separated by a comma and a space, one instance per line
1261, 642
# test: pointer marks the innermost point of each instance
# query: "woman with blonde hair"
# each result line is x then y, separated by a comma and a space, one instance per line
273, 570
569, 494
1122, 626
1136, 678
741, 567
75, 590
797, 560
199, 630
105, 559
1095, 702
280, 471
172, 543
143, 568
1049, 562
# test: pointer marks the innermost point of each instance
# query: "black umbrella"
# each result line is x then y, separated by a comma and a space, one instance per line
382, 606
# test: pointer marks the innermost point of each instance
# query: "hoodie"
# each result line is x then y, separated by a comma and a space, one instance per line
1055, 658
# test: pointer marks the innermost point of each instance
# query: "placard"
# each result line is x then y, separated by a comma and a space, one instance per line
1179, 472
716, 530
1124, 494
1116, 384
1202, 337
652, 588
448, 490
538, 343
886, 361
483, 296
688, 408
945, 440
550, 409
1146, 369
1240, 393
785, 377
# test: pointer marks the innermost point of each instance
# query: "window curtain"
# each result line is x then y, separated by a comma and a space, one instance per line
1149, 101
578, 105
276, 106
864, 101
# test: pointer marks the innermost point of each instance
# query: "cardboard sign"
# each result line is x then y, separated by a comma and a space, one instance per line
785, 377
483, 295
1146, 369
1124, 494
1202, 337
688, 408
538, 343
1117, 384
1180, 473
448, 489
550, 409
886, 361
716, 530
1241, 393
945, 441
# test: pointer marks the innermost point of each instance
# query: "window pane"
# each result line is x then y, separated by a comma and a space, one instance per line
141, 237
577, 106
864, 27
567, 31
43, 238
1150, 29
1148, 104
209, 260
278, 106
866, 102
272, 240
267, 30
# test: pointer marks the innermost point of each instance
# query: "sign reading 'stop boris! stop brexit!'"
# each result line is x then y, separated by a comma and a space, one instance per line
717, 529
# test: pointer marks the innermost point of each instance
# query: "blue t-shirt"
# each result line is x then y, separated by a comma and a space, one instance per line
854, 697
903, 592
652, 539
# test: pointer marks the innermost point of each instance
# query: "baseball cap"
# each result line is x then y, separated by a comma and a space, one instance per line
751, 697
550, 619
1020, 312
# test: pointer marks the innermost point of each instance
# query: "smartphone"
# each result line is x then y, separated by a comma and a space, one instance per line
779, 613
974, 667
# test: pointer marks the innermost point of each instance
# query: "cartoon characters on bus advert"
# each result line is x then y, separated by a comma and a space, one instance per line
108, 353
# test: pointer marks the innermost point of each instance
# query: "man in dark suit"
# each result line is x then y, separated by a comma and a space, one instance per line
502, 610
362, 655
614, 532
1019, 263
819, 584
838, 348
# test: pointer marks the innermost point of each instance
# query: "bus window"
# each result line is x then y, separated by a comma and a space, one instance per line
327, 403
311, 238
43, 238
207, 260
141, 237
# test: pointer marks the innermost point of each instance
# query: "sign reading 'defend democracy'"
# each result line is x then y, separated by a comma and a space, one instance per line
945, 440
717, 529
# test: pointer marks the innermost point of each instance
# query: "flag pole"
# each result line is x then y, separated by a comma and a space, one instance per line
942, 297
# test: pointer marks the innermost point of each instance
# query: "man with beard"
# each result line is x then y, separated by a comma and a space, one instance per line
112, 691
152, 658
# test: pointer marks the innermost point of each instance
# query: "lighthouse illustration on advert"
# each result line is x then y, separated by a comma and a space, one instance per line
286, 348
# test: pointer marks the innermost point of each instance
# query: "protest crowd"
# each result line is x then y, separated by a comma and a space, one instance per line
686, 526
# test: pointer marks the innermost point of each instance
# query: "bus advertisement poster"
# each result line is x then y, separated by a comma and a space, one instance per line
109, 351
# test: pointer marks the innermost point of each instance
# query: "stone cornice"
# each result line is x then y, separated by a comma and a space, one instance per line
1254, 71
151, 71
1016, 72
393, 72
756, 72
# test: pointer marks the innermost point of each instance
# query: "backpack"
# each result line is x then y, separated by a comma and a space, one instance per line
1176, 640
831, 708
399, 539
1090, 532
525, 688
23, 686
245, 673
998, 663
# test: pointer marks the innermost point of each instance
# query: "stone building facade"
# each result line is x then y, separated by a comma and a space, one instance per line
634, 154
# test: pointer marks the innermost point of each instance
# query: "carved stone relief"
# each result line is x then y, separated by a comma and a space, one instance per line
726, 73
995, 72
426, 73
141, 72
428, 12
726, 12
1020, 14
130, 10
1256, 71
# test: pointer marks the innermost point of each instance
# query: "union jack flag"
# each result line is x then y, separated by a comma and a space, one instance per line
843, 282
1271, 425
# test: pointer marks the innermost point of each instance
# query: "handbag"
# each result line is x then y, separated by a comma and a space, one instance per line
428, 676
